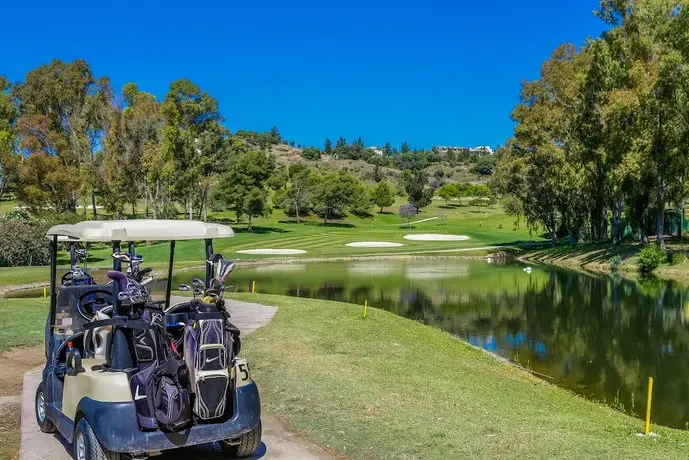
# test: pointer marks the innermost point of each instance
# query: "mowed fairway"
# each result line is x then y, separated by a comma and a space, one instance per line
485, 226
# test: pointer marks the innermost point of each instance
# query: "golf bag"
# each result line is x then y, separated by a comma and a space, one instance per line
208, 352
160, 385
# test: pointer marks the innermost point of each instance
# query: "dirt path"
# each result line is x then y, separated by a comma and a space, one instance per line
278, 443
14, 365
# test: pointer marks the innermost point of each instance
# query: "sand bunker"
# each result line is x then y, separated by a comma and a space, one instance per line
373, 244
276, 252
434, 237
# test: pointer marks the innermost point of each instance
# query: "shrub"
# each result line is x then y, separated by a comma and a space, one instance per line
677, 258
650, 258
23, 242
615, 263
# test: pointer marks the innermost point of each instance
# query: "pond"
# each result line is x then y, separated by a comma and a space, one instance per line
597, 336
594, 335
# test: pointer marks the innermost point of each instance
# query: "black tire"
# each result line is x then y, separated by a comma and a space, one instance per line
246, 445
85, 439
40, 408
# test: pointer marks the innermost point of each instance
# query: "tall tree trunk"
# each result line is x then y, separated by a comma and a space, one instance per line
251, 223
2, 186
660, 225
681, 220
190, 208
617, 208
134, 209
93, 203
553, 238
204, 204
296, 207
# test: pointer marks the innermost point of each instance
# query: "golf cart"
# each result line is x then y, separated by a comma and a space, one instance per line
127, 376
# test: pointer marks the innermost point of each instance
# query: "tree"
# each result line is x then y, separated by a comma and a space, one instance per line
327, 147
63, 110
335, 194
447, 192
361, 202
404, 147
387, 149
341, 147
8, 157
249, 171
45, 182
383, 195
255, 204
275, 136
485, 165
193, 137
414, 183
311, 153
300, 188
407, 211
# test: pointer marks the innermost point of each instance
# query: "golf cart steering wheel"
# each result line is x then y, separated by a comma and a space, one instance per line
94, 301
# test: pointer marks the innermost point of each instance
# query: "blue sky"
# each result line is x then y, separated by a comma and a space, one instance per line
431, 72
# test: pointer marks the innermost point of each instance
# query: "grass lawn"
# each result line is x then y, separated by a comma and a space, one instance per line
388, 387
23, 322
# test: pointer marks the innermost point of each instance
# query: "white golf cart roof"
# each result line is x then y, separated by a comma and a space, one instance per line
139, 230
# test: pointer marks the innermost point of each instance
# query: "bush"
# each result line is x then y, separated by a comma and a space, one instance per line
677, 258
650, 258
23, 242
615, 263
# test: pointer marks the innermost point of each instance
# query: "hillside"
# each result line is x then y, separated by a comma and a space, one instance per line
288, 155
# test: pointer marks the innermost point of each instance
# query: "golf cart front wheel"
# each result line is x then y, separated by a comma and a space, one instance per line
86, 445
244, 446
42, 419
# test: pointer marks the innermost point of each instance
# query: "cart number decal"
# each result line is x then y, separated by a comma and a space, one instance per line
244, 369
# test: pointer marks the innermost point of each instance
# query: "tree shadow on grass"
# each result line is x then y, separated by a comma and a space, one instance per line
260, 230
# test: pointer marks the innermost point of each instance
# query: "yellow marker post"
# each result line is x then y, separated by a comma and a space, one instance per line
365, 307
647, 431
45, 293
253, 287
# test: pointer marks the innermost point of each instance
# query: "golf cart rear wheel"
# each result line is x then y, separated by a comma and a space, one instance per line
247, 444
86, 445
42, 419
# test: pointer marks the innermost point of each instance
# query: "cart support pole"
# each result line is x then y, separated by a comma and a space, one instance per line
53, 284
209, 266
116, 263
169, 274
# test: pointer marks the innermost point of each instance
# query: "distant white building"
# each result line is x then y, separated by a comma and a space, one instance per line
481, 149
376, 150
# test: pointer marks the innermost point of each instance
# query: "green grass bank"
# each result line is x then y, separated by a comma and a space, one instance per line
388, 387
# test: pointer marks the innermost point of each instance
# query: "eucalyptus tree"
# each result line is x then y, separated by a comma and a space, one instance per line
8, 157
63, 112
193, 136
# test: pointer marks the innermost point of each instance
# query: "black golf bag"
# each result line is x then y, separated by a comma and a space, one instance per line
160, 384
